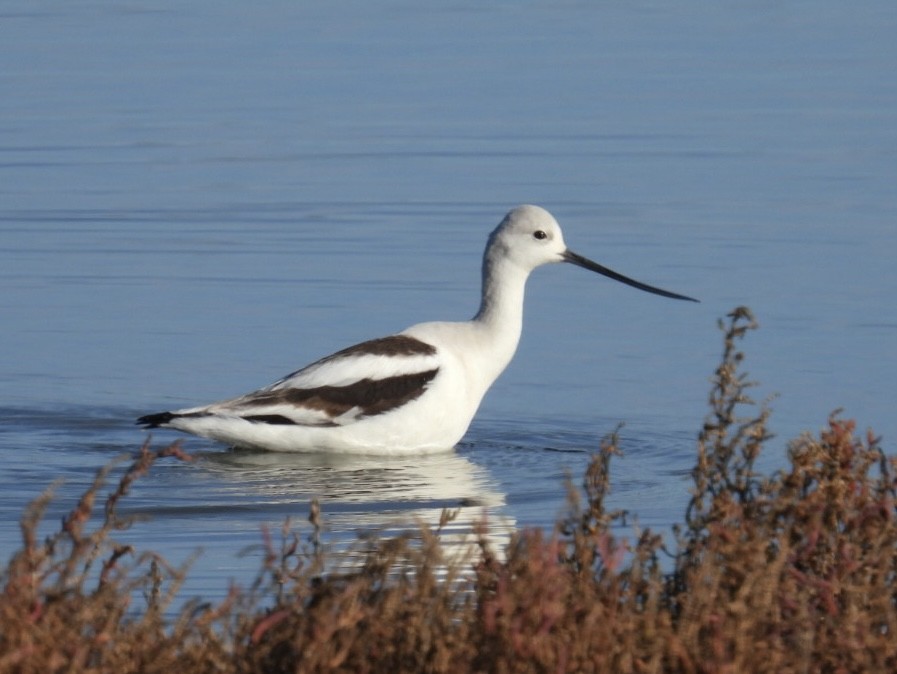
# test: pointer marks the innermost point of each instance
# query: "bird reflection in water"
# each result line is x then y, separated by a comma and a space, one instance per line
360, 495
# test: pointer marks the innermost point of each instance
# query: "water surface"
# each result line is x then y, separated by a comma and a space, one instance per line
196, 200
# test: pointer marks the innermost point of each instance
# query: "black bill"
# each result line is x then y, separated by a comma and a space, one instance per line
586, 263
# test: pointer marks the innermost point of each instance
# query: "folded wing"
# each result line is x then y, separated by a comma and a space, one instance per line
365, 380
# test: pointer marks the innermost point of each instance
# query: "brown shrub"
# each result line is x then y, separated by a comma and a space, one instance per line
788, 572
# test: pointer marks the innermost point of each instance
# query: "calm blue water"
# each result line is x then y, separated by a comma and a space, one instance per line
197, 199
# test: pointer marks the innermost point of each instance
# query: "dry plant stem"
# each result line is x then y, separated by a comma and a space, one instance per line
729, 443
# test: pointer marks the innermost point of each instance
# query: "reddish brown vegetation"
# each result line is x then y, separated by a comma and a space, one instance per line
790, 572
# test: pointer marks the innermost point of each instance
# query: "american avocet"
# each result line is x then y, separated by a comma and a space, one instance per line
416, 391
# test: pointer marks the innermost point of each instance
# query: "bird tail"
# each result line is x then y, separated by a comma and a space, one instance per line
156, 420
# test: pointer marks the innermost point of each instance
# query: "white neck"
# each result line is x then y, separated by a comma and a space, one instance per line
500, 318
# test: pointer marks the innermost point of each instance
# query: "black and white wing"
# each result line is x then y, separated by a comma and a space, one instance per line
364, 380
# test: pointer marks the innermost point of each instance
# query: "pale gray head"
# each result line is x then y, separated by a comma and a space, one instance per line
529, 237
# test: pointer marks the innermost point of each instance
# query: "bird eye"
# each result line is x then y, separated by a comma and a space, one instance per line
539, 234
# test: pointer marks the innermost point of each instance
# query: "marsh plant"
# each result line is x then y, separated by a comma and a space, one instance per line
792, 571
